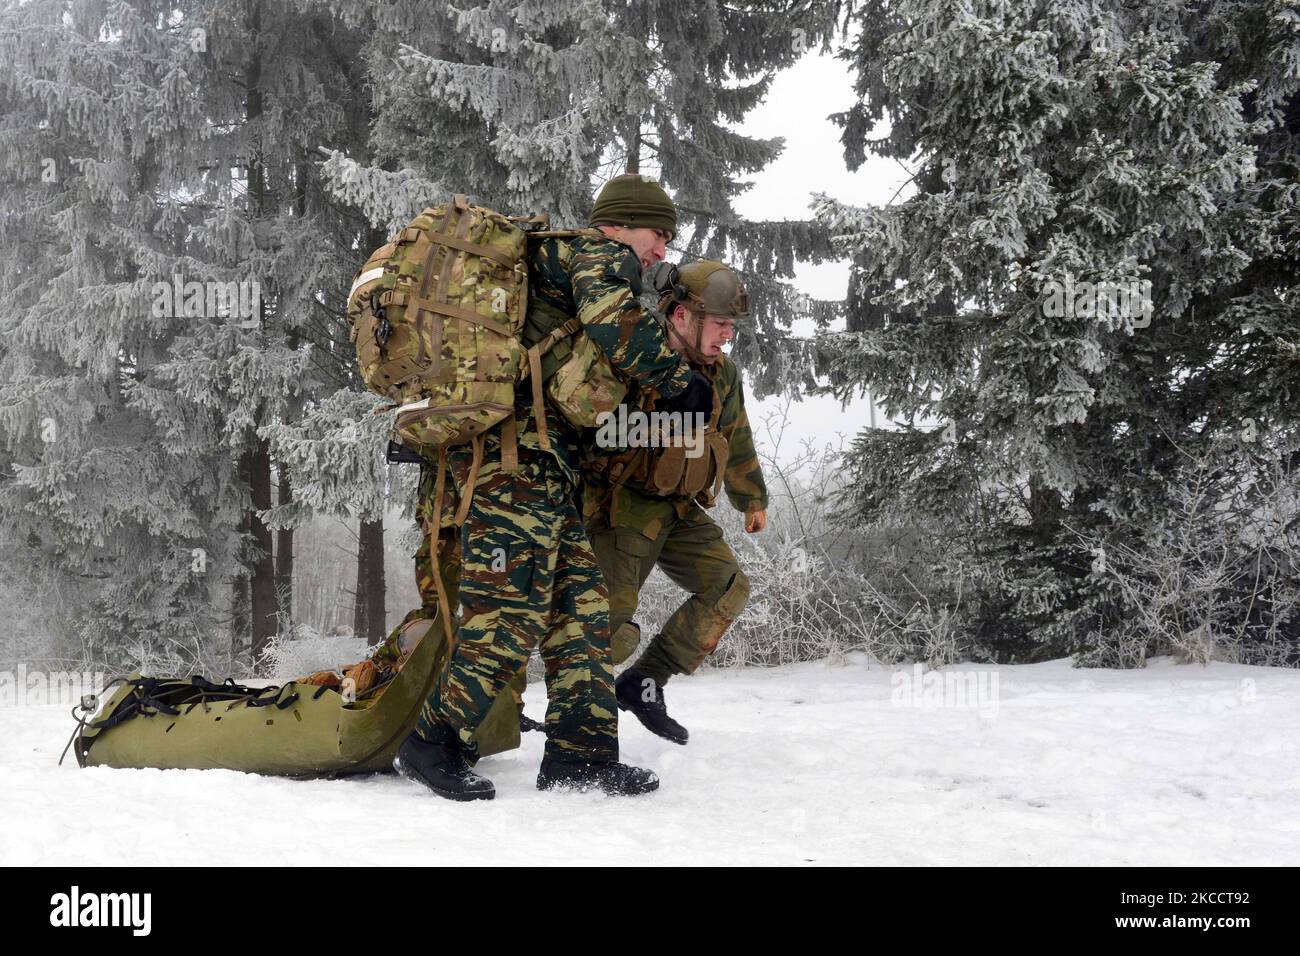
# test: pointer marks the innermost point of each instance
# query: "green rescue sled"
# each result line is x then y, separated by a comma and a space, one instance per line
295, 729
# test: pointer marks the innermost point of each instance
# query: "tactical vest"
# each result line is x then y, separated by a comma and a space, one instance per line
669, 472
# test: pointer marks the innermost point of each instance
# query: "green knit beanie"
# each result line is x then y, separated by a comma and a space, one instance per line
635, 201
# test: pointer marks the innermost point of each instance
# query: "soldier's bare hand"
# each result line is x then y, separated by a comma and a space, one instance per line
756, 521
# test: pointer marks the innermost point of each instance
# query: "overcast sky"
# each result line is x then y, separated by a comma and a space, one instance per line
797, 108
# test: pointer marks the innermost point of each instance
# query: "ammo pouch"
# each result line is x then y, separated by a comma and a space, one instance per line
669, 472
673, 475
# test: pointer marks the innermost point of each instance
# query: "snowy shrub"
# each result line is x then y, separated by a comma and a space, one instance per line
31, 631
304, 650
1215, 577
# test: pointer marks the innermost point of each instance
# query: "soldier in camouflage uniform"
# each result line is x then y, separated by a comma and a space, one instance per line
528, 575
640, 513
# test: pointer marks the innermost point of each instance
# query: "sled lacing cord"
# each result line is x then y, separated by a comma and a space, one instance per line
265, 700
226, 690
378, 685
152, 696
82, 715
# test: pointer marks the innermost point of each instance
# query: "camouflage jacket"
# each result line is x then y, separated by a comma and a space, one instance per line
633, 505
597, 280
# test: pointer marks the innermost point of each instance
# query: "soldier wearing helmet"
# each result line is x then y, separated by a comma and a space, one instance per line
645, 506
702, 308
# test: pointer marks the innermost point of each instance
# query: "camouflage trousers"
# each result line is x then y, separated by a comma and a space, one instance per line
445, 543
694, 555
528, 579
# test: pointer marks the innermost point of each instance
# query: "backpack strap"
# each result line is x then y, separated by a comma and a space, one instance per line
474, 248
553, 338
467, 494
588, 233
509, 445
534, 371
440, 487
539, 399
457, 213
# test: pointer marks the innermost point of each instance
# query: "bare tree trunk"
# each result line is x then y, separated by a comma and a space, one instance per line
369, 612
284, 551
284, 556
240, 602
265, 608
634, 146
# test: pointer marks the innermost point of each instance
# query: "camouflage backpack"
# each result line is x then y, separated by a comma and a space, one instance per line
437, 315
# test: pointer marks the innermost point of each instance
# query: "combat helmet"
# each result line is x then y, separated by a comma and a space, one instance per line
705, 287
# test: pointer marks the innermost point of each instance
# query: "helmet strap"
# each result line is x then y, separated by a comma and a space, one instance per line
694, 352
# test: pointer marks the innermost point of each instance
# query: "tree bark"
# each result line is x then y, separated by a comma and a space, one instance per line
284, 493
265, 606
369, 612
284, 551
240, 600
634, 146
265, 609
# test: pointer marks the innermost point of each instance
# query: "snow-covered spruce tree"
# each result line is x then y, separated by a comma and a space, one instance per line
292, 76
289, 72
527, 105
203, 170
115, 499
1067, 155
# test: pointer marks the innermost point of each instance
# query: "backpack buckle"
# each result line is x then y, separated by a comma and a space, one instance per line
384, 330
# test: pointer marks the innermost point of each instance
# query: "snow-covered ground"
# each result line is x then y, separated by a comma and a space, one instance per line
807, 764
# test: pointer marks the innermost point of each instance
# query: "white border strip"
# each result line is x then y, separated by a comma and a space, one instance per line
364, 278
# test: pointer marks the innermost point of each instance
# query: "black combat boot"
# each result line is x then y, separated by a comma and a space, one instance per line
441, 767
616, 779
644, 697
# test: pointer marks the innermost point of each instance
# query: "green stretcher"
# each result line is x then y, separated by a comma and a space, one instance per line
294, 730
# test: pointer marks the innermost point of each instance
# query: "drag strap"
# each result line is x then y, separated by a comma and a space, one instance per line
440, 487
468, 492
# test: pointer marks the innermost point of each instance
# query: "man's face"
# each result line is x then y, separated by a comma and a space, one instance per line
718, 331
650, 245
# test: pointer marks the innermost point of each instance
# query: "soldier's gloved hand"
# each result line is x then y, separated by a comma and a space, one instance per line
697, 397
